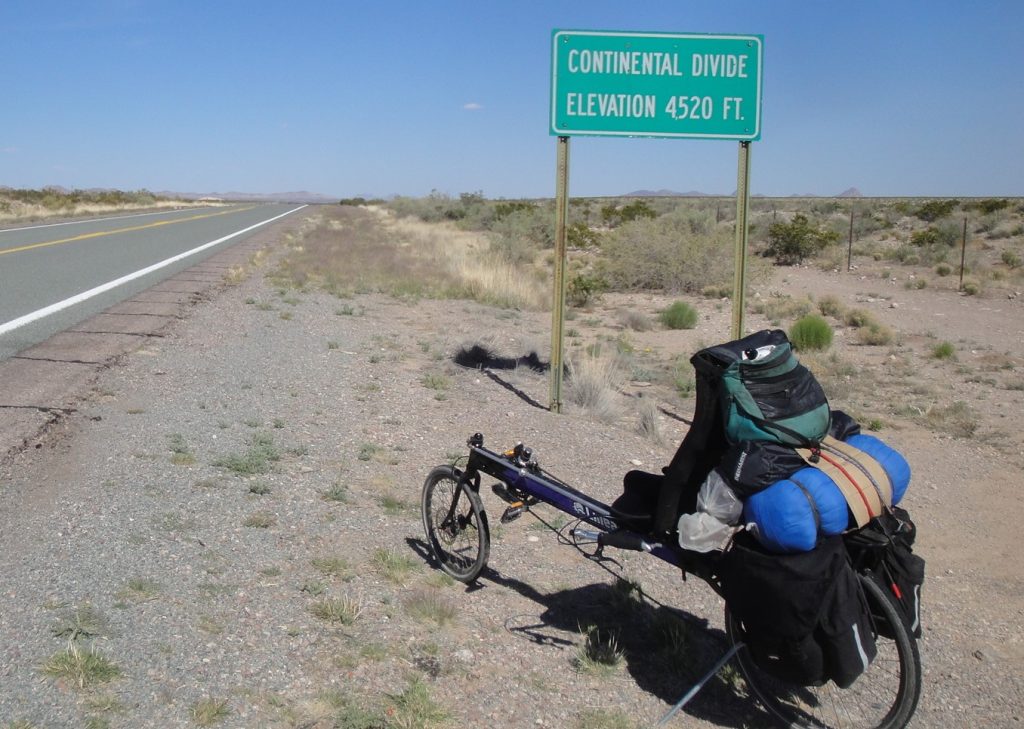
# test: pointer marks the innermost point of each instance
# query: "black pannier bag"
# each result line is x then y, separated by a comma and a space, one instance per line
885, 548
805, 618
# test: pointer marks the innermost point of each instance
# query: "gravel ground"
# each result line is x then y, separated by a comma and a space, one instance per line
266, 458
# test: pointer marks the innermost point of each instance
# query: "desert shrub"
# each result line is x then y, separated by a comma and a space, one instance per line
778, 308
505, 208
665, 254
858, 318
935, 209
874, 334
915, 284
356, 201
1011, 259
612, 215
811, 334
581, 235
635, 320
792, 242
584, 288
934, 237
989, 205
679, 315
957, 419
830, 305
971, 288
716, 292
519, 235
697, 222
928, 236
943, 350
943, 269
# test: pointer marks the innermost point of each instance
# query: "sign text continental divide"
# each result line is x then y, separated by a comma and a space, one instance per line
607, 83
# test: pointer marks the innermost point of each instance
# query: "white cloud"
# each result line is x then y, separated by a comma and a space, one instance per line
472, 106
8, 150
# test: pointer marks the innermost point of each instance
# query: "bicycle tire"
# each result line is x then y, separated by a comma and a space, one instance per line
459, 538
895, 673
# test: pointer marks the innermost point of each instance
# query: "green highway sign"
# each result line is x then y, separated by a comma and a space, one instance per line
690, 86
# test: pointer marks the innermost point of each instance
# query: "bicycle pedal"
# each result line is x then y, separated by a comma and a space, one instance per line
513, 512
502, 492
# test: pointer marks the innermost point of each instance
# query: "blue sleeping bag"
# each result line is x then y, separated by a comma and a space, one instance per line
891, 460
785, 517
784, 514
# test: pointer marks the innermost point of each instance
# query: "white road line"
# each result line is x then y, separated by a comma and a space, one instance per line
98, 218
85, 295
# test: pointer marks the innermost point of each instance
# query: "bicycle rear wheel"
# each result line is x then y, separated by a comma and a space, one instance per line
456, 524
883, 697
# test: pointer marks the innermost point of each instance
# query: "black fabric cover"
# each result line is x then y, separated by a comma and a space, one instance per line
751, 466
843, 426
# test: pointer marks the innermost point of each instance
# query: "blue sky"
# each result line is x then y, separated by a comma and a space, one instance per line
364, 98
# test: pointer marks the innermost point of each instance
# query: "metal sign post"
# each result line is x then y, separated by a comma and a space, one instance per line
739, 289
963, 257
558, 302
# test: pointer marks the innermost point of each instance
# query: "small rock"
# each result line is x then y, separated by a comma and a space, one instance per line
894, 305
533, 538
979, 655
636, 462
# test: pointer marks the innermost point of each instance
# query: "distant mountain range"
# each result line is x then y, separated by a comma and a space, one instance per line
302, 196
851, 192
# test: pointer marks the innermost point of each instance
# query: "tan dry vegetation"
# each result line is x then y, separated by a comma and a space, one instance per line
363, 250
16, 211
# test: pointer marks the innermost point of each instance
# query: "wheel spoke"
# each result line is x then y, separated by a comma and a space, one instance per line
455, 524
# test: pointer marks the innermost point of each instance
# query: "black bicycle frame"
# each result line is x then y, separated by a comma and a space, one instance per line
526, 478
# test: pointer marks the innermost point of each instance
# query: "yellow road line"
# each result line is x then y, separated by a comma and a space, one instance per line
101, 233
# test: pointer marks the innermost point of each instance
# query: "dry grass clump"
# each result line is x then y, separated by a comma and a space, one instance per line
779, 308
635, 320
874, 334
648, 422
430, 606
594, 383
600, 653
858, 318
830, 305
343, 610
355, 250
82, 667
956, 419
210, 711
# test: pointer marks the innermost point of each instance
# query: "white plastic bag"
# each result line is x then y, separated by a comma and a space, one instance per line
718, 510
701, 532
717, 498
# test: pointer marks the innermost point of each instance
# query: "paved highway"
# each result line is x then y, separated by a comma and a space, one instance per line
53, 276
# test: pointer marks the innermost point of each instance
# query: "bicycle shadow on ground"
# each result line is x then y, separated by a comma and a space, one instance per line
664, 649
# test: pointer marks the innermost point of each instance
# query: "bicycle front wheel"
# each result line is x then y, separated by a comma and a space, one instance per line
456, 524
883, 697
